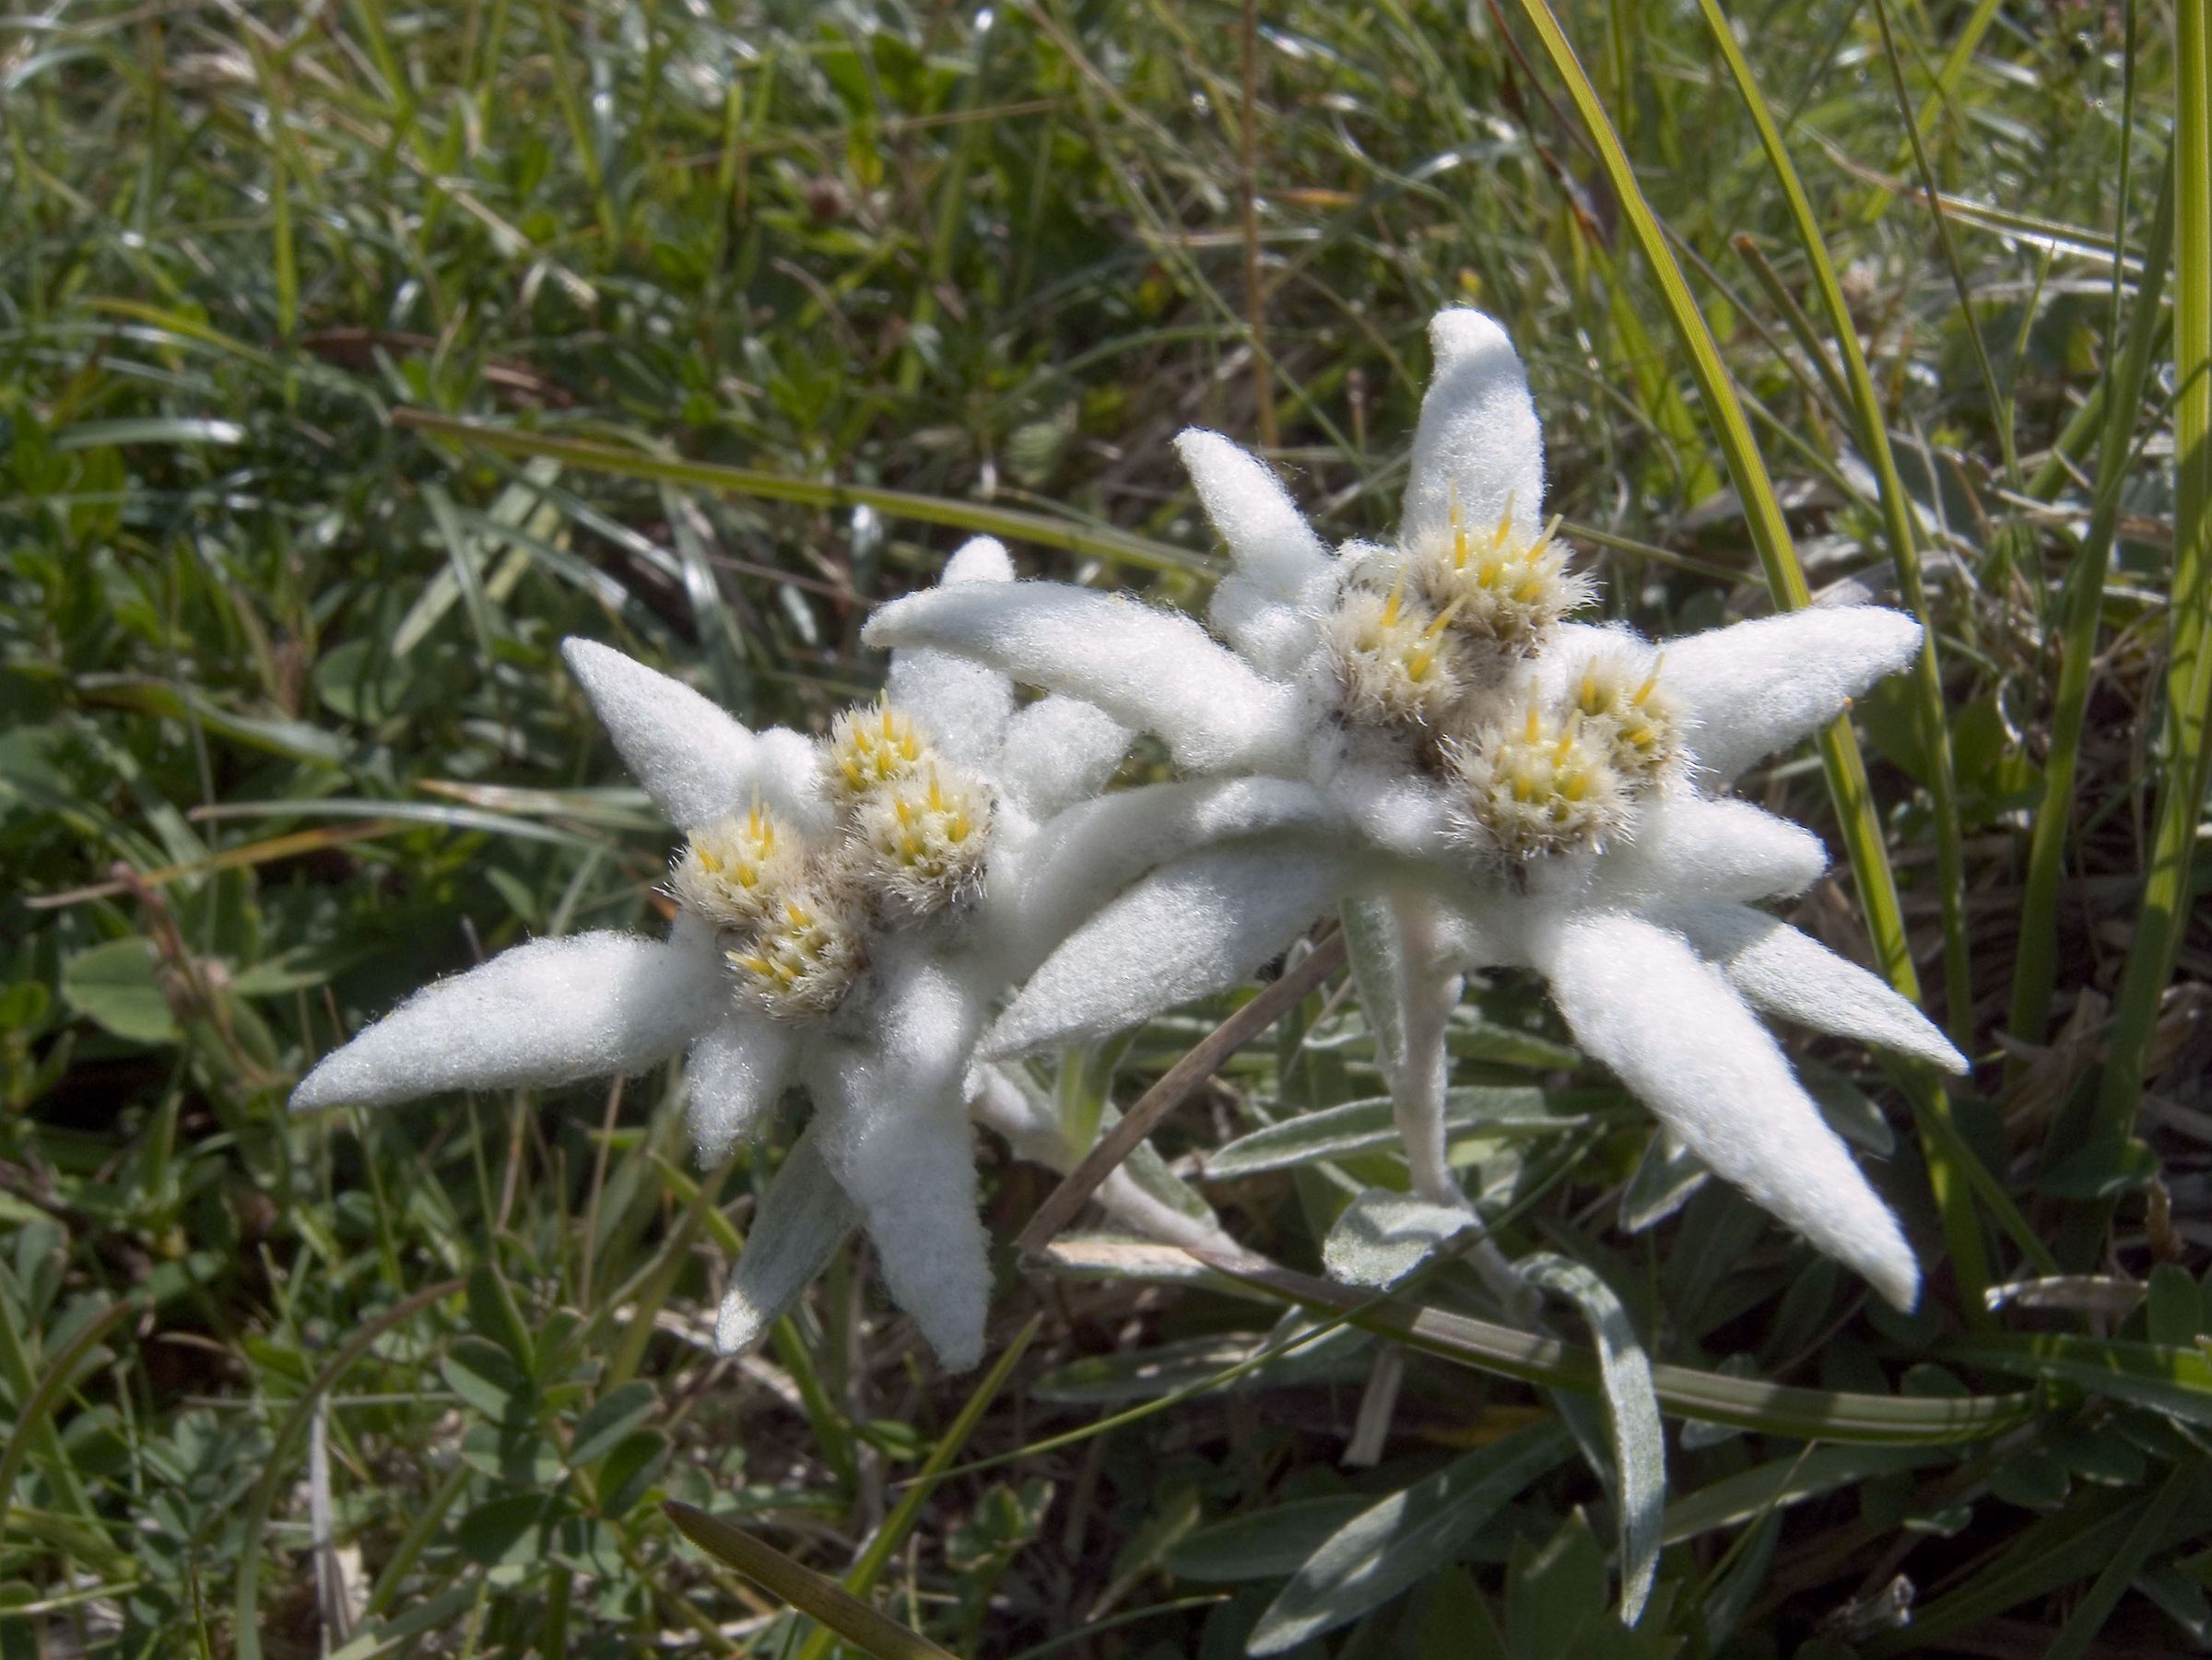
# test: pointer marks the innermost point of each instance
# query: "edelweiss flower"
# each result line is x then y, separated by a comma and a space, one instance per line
848, 910
1482, 785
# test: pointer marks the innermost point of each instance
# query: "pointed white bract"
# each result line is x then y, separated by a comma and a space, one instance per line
895, 1134
692, 759
843, 925
547, 1012
1058, 751
734, 1074
1507, 787
1094, 851
1193, 926
1638, 998
1479, 451
1148, 668
1759, 686
1794, 976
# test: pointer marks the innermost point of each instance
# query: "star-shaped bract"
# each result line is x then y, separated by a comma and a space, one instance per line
886, 1054
1483, 785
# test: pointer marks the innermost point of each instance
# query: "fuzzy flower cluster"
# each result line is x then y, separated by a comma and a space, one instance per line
793, 917
1431, 746
1416, 735
849, 911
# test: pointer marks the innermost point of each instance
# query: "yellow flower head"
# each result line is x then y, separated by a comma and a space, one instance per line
733, 872
1535, 786
872, 746
921, 842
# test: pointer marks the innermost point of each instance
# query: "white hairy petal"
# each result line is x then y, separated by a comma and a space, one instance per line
1094, 849
1638, 998
1270, 606
1278, 637
694, 760
734, 1074
1478, 442
895, 1134
1269, 539
963, 705
547, 1012
1690, 847
1395, 808
1755, 687
1191, 928
787, 772
1059, 750
978, 559
1793, 975
1151, 669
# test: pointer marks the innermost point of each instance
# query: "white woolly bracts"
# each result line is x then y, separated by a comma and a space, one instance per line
1505, 786
848, 912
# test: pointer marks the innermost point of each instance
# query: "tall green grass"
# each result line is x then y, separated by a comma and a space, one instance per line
353, 356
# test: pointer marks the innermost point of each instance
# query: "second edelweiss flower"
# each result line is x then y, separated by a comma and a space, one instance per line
1480, 783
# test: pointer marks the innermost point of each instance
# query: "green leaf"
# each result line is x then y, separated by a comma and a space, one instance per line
1373, 950
1555, 1597
1360, 1126
802, 1220
631, 1467
485, 1375
494, 1314
1264, 1543
613, 1415
1404, 1538
508, 1530
2176, 1308
1787, 1480
1632, 1410
2030, 1479
1382, 1236
801, 1587
1666, 1178
2102, 1170
116, 985
361, 680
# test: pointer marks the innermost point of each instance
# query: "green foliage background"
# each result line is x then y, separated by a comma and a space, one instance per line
283, 734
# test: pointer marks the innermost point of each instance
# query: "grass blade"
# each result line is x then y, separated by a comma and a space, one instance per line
2180, 765
1683, 1391
803, 1588
32, 1424
2035, 967
1840, 756
2119, 1573
1864, 402
591, 456
908, 1511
